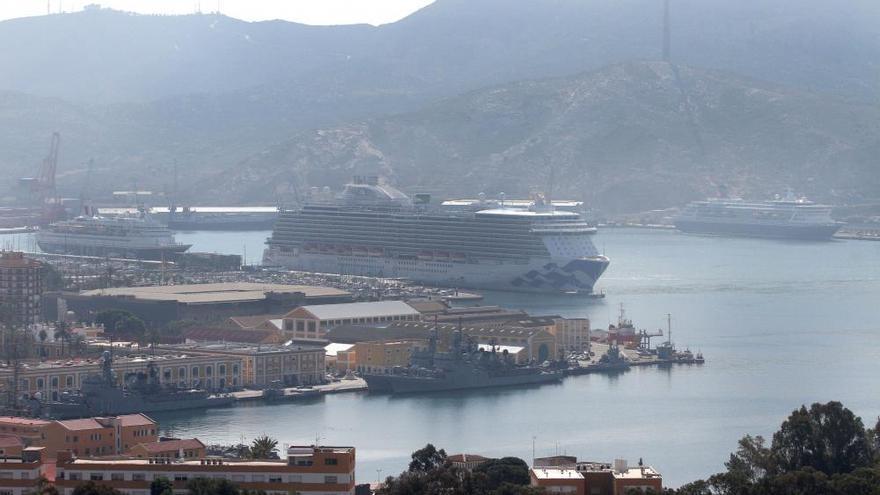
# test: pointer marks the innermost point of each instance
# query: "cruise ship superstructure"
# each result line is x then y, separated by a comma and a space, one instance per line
789, 218
375, 230
135, 236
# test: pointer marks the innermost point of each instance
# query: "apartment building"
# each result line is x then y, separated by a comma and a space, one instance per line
308, 470
564, 474
19, 475
21, 286
87, 437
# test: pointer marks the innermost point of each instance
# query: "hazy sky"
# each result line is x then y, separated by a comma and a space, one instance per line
305, 11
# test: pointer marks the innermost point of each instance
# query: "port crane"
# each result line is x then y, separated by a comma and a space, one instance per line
42, 188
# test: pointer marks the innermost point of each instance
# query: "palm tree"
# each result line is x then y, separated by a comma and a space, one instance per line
43, 336
264, 447
62, 333
78, 344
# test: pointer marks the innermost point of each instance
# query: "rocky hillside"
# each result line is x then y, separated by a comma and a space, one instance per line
625, 138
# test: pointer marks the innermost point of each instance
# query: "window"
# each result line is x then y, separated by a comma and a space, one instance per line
275, 479
209, 370
40, 383
313, 326
6, 475
69, 381
180, 477
331, 461
258, 478
237, 477
234, 369
195, 371
96, 476
138, 477
181, 373
330, 480
295, 478
222, 369
117, 476
300, 326
75, 476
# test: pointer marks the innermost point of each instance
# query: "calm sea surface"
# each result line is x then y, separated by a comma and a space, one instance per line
780, 324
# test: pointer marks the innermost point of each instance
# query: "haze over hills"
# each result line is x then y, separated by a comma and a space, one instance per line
625, 138
139, 93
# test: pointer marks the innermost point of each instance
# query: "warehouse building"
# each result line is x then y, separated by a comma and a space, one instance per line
313, 321
161, 304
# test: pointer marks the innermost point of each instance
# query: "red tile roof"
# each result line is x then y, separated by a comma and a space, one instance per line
136, 420
23, 421
10, 441
81, 424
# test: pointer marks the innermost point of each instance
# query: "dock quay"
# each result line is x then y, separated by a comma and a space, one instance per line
631, 358
299, 393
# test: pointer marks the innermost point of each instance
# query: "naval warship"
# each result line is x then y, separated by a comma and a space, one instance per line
465, 366
100, 396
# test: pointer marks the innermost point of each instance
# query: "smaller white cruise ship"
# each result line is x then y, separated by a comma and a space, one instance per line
136, 236
784, 218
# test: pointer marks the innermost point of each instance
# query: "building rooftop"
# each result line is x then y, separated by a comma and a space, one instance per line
215, 293
7, 441
169, 445
358, 310
23, 421
215, 334
238, 348
556, 474
636, 473
81, 424
139, 419
333, 349
467, 458
14, 259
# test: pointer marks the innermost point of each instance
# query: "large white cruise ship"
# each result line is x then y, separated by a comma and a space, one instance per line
135, 236
375, 230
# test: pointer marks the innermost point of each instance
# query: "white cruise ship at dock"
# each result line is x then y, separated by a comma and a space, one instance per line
375, 230
136, 236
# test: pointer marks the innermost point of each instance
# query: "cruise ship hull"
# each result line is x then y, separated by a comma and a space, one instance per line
766, 230
539, 275
91, 248
467, 379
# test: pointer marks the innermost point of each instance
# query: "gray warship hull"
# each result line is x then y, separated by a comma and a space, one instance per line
62, 410
452, 380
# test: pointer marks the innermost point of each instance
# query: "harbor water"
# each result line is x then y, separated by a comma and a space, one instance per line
780, 323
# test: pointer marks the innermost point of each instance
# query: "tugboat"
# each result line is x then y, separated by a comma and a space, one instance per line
465, 366
100, 396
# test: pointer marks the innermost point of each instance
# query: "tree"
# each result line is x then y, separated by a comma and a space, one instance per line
161, 486
211, 486
92, 488
43, 336
264, 447
62, 333
427, 458
827, 437
507, 470
44, 487
121, 322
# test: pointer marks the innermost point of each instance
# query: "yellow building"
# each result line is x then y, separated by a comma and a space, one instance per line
381, 357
